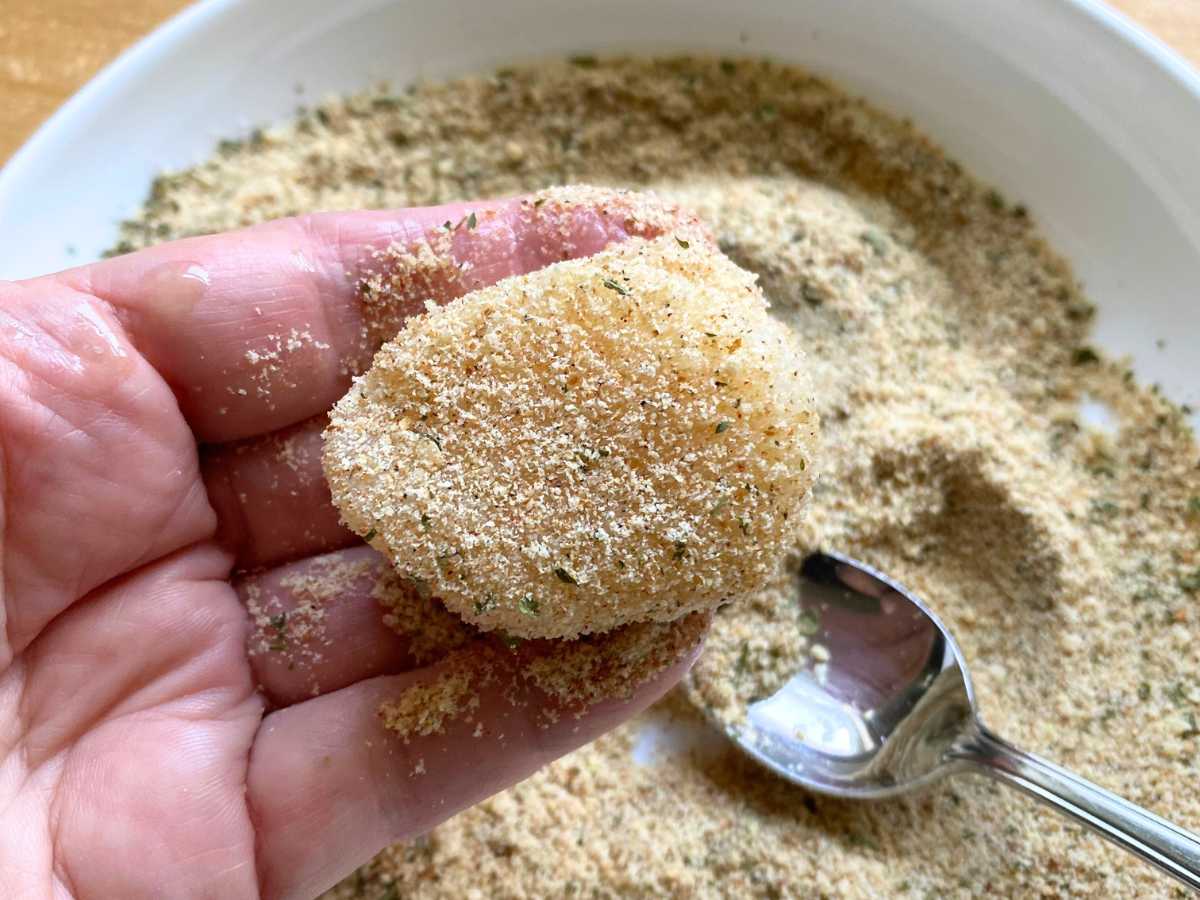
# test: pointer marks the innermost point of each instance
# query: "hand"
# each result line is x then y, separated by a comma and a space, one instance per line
143, 752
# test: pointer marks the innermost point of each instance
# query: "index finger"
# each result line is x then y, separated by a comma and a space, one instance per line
264, 327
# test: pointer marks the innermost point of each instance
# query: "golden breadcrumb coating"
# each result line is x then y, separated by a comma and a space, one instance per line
619, 438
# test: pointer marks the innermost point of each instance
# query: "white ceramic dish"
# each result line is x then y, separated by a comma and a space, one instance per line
1061, 103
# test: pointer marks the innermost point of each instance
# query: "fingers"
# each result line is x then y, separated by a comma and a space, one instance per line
262, 328
98, 473
324, 623
330, 787
271, 497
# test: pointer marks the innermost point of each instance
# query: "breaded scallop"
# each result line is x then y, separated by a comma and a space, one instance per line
624, 437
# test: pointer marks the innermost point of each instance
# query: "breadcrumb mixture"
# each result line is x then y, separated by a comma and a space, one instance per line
947, 347
451, 692
754, 650
451, 662
431, 631
613, 439
610, 666
400, 279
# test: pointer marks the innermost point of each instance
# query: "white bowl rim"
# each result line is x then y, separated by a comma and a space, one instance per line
176, 29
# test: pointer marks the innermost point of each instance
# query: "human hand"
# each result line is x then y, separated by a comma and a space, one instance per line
143, 752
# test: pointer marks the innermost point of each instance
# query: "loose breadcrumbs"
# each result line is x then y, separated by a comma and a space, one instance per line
451, 691
549, 677
431, 631
610, 666
613, 439
947, 347
756, 649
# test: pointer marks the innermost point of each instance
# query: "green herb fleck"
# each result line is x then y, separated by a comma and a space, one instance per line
538, 202
862, 840
1191, 731
875, 240
1145, 594
994, 200
370, 535
430, 436
743, 660
425, 520
728, 66
564, 576
528, 606
1190, 583
387, 101
1144, 691
723, 426
487, 604
682, 243
614, 286
1084, 356
279, 622
583, 61
809, 623
680, 550
471, 221
744, 524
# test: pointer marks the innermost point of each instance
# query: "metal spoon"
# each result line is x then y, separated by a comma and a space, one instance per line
892, 710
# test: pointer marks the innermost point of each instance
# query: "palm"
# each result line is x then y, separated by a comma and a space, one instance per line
142, 752
129, 703
133, 754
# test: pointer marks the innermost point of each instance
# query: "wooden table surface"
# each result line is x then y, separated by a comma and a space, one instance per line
49, 48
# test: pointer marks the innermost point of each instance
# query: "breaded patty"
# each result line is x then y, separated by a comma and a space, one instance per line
619, 438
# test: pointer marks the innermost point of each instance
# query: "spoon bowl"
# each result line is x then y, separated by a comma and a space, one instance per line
878, 716
887, 707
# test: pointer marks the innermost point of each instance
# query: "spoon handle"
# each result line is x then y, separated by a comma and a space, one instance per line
1171, 848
